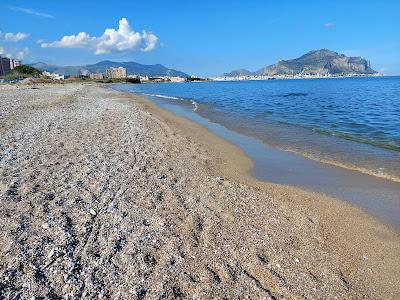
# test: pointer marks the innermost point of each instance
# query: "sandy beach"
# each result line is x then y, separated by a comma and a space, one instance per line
104, 195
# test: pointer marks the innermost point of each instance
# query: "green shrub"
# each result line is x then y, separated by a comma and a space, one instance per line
23, 72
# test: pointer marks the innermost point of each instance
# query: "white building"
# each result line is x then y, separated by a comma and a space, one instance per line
53, 76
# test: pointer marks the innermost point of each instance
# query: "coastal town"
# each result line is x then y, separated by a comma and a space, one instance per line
293, 76
9, 73
8, 66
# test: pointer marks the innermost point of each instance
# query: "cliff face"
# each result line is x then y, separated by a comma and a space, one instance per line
319, 61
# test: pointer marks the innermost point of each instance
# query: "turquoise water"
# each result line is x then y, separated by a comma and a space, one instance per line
354, 122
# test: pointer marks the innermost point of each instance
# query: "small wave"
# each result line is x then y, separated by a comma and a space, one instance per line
295, 95
194, 103
163, 96
390, 145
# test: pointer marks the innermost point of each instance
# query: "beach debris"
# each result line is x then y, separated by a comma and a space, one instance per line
149, 113
51, 253
92, 212
220, 178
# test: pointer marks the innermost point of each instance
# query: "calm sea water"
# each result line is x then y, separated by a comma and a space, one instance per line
353, 122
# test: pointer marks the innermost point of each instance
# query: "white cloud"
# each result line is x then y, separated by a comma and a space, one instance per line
21, 54
81, 40
16, 53
31, 12
15, 37
329, 25
122, 40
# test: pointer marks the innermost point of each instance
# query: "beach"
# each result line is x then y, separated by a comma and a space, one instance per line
105, 195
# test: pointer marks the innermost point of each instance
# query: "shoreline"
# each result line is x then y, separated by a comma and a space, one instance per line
356, 225
337, 163
344, 152
238, 164
348, 184
210, 230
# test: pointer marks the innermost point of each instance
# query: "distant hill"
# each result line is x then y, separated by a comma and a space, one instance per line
237, 73
322, 61
131, 68
66, 70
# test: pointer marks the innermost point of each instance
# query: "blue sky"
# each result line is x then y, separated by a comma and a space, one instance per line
199, 37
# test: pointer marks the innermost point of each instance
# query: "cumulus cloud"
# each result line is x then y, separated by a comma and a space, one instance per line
329, 25
122, 40
15, 37
17, 53
21, 54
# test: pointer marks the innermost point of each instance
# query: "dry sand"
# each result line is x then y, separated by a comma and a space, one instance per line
106, 196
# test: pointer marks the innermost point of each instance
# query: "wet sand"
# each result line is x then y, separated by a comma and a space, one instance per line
106, 195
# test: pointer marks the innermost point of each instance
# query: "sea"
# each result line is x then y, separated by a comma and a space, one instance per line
348, 126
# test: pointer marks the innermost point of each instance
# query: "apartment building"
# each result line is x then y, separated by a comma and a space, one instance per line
119, 72
7, 64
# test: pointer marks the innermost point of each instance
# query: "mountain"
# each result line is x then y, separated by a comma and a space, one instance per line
322, 61
131, 68
67, 70
237, 73
136, 68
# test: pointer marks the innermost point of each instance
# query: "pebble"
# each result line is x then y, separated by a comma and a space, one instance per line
51, 253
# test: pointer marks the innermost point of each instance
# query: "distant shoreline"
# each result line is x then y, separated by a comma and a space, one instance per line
286, 77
